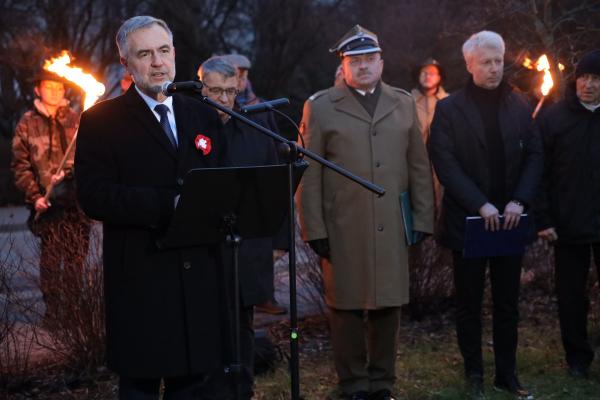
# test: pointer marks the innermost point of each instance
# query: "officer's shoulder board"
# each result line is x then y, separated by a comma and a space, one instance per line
317, 95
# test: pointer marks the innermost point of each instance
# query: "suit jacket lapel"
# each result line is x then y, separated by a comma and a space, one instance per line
469, 109
386, 104
346, 102
140, 111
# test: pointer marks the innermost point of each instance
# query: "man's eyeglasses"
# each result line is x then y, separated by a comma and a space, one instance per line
218, 91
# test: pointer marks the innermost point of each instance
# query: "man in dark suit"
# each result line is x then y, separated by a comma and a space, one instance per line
488, 158
245, 147
163, 306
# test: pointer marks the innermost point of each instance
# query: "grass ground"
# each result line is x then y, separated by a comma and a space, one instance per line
430, 367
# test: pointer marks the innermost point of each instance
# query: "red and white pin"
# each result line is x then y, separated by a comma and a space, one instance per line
203, 144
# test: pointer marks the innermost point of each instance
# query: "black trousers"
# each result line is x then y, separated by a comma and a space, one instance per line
572, 266
183, 388
469, 281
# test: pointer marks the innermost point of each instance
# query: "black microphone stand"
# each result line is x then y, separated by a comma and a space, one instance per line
294, 153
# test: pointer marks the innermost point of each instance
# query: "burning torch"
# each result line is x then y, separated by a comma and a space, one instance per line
542, 64
92, 89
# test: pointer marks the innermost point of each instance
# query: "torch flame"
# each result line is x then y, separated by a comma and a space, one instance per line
92, 88
527, 63
542, 64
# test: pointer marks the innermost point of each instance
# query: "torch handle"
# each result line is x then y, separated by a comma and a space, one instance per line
538, 107
61, 166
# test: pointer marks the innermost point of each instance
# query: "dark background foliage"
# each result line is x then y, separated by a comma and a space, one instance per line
286, 40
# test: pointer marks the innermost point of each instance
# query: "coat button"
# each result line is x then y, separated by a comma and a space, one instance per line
180, 181
187, 265
374, 133
377, 164
380, 228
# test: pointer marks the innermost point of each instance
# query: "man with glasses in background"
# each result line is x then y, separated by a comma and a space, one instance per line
245, 147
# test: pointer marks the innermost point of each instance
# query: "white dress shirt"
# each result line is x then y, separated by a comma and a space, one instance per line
169, 103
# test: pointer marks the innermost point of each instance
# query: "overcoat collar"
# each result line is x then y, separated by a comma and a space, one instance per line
469, 109
346, 102
140, 111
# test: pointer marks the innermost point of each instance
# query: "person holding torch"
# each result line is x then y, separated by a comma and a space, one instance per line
40, 144
569, 209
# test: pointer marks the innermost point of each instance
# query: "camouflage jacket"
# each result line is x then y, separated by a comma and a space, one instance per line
38, 148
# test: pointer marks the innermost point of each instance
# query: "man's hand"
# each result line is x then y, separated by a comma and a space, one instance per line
548, 234
320, 246
57, 178
277, 254
489, 213
41, 205
512, 214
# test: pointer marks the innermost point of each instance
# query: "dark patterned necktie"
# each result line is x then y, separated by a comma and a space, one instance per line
163, 110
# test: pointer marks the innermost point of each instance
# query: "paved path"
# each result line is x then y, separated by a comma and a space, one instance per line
19, 247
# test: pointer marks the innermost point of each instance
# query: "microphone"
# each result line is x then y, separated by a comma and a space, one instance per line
265, 106
169, 88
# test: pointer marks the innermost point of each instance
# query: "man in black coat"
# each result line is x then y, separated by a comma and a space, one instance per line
569, 210
245, 147
489, 160
163, 307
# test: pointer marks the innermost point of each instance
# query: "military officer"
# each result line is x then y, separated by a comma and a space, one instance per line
371, 129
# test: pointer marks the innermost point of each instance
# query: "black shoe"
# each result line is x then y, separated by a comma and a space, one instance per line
383, 394
360, 395
512, 385
475, 387
578, 371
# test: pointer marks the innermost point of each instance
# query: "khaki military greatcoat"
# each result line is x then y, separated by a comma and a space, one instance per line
368, 265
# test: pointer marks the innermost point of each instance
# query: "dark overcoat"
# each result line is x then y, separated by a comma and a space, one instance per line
570, 198
163, 310
458, 150
246, 147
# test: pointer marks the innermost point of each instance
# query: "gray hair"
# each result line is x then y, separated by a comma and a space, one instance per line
238, 61
483, 39
219, 65
133, 24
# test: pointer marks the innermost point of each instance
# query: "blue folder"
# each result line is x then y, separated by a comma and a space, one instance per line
411, 236
482, 243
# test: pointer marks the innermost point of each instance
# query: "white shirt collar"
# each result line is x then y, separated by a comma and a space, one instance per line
591, 107
364, 92
170, 115
152, 103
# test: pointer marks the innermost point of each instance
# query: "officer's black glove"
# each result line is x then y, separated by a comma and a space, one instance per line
419, 236
321, 247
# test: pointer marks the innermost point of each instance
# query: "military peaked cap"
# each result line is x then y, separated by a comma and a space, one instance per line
357, 40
